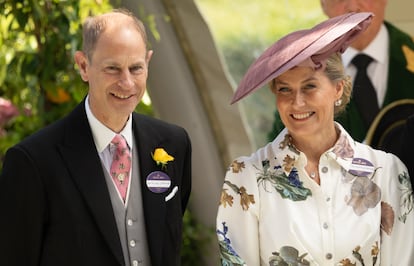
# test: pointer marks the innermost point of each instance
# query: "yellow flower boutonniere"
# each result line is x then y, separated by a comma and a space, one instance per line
161, 157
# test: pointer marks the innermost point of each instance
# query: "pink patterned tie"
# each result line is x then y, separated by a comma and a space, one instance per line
121, 165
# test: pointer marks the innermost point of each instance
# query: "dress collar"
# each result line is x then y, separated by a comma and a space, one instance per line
289, 156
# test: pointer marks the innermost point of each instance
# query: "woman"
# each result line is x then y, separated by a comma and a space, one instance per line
314, 196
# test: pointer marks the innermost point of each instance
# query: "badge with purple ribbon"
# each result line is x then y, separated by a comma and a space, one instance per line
361, 167
158, 182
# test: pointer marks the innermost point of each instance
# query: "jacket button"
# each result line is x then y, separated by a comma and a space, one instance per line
132, 243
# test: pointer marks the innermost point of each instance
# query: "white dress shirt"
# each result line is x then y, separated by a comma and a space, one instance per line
378, 49
103, 136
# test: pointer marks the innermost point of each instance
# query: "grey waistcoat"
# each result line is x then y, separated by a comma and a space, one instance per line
130, 219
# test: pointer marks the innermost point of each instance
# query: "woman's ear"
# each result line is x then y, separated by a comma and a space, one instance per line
339, 89
82, 62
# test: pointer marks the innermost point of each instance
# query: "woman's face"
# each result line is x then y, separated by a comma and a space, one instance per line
305, 100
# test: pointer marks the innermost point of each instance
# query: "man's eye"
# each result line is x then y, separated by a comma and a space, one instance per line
111, 69
136, 69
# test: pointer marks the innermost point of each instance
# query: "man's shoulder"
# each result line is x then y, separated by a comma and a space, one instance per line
55, 131
399, 36
148, 122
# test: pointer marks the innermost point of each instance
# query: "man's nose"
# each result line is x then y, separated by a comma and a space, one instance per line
126, 80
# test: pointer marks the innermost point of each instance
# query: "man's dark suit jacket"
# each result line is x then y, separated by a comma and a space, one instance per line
400, 84
54, 202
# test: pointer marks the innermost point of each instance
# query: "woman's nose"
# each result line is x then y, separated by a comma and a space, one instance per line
298, 99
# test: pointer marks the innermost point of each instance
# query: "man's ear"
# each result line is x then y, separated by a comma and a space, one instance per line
149, 55
82, 62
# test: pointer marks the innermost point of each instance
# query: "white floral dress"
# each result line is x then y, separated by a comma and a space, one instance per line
272, 213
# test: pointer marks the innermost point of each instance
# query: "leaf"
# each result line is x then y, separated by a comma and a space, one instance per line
387, 218
226, 198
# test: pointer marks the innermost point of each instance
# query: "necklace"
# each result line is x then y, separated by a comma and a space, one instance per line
313, 175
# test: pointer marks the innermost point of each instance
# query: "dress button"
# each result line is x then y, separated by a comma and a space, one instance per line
132, 243
328, 199
325, 226
129, 222
328, 256
135, 263
324, 169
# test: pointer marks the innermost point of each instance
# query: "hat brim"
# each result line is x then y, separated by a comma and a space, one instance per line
317, 44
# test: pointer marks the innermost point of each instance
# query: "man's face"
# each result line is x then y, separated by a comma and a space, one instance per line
116, 72
333, 8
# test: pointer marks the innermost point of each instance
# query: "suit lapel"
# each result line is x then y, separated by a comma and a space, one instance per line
399, 69
147, 138
86, 170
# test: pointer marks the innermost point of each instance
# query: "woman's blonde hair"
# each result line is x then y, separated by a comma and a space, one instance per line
335, 71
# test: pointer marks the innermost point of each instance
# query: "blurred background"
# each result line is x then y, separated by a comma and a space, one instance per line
201, 50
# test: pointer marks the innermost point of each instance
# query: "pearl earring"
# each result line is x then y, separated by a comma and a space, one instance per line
338, 102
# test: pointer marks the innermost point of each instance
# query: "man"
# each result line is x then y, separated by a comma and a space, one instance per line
61, 200
391, 71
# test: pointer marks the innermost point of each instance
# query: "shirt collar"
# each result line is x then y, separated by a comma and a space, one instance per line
377, 49
102, 135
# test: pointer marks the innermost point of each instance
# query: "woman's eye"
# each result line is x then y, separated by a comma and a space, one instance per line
283, 90
310, 86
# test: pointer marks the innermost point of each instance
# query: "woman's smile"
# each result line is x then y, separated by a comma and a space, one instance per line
302, 116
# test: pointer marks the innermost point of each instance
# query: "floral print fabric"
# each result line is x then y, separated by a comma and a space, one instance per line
272, 213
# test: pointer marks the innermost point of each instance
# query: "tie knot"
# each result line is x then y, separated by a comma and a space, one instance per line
119, 142
361, 61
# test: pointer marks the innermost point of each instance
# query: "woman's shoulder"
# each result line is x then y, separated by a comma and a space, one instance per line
386, 161
272, 152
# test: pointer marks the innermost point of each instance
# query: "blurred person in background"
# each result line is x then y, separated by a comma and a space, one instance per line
388, 54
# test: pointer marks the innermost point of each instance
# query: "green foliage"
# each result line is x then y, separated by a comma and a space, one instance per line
196, 237
244, 28
38, 40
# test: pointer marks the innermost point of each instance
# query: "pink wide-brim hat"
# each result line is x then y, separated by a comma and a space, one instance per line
311, 46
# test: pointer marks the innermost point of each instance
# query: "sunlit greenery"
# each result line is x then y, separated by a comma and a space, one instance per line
243, 29
38, 39
37, 74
